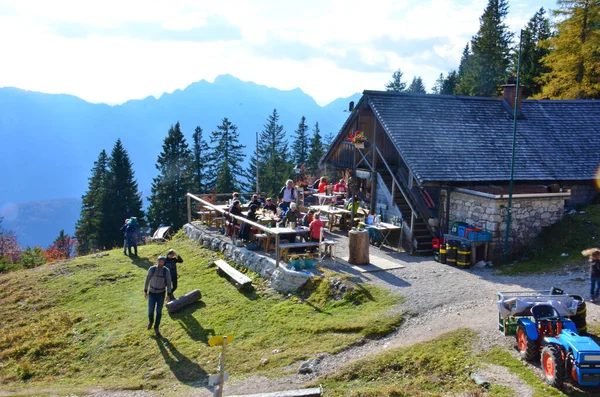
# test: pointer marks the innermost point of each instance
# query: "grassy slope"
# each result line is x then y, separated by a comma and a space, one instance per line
570, 235
83, 323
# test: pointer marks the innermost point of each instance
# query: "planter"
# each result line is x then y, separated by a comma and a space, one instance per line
296, 264
308, 263
359, 145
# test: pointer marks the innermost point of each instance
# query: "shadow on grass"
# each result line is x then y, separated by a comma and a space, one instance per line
185, 318
143, 263
184, 369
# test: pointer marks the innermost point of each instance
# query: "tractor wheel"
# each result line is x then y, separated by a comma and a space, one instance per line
528, 348
553, 366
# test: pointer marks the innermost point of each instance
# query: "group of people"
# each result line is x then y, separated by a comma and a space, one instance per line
160, 284
339, 189
130, 232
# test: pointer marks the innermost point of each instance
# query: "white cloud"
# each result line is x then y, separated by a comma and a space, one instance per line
423, 39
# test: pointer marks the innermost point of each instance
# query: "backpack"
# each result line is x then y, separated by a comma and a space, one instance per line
132, 225
154, 271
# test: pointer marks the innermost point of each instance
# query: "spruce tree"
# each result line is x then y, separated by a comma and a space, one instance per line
533, 36
396, 84
300, 146
450, 83
274, 157
124, 199
200, 153
226, 158
168, 202
485, 68
316, 151
417, 86
574, 60
329, 138
89, 226
437, 87
253, 164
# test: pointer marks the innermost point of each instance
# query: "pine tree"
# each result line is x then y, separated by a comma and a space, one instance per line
450, 83
253, 165
437, 87
396, 84
300, 146
485, 68
329, 138
89, 225
535, 33
316, 151
276, 167
124, 199
200, 153
417, 86
168, 202
226, 158
574, 58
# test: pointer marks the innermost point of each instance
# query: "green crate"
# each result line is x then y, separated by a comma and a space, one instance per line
508, 326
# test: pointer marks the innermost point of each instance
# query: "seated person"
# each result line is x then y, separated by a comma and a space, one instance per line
236, 196
235, 209
322, 189
308, 218
255, 201
353, 204
315, 228
270, 206
245, 228
292, 215
340, 187
282, 208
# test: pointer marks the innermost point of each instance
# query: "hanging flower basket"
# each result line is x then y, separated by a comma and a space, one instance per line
358, 139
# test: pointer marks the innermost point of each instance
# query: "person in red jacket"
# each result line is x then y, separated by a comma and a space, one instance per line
315, 228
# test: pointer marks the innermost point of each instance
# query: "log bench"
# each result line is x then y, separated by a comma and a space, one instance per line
240, 280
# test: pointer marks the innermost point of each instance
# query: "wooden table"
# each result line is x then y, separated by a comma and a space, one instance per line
474, 245
385, 229
331, 212
277, 231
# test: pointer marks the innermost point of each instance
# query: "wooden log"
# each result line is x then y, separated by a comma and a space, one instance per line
183, 301
358, 245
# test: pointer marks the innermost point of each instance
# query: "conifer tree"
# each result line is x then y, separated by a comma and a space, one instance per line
273, 155
253, 164
62, 247
396, 84
89, 226
437, 87
450, 83
200, 153
535, 33
168, 202
329, 138
417, 86
124, 199
485, 68
574, 58
226, 158
316, 151
300, 146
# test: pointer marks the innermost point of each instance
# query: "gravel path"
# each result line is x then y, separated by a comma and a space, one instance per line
438, 299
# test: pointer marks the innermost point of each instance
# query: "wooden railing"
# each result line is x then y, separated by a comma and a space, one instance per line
211, 206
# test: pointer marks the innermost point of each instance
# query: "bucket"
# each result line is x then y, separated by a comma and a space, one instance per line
452, 251
463, 257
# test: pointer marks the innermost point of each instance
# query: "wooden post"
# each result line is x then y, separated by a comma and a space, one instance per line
276, 249
412, 228
219, 390
189, 209
358, 247
374, 167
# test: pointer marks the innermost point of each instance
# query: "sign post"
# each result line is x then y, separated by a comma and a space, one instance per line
222, 376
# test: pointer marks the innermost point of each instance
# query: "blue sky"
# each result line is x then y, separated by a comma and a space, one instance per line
111, 51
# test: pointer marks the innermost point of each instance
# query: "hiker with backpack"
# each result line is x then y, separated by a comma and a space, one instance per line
131, 235
158, 283
171, 263
124, 229
288, 193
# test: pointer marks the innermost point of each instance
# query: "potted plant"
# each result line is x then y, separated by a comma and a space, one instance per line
358, 138
309, 260
295, 262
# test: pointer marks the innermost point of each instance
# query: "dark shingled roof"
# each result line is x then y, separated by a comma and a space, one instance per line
450, 138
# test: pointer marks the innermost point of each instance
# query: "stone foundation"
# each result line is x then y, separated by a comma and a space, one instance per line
281, 279
530, 213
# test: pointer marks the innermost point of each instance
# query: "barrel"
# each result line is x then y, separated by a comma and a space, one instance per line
580, 317
452, 251
443, 254
463, 257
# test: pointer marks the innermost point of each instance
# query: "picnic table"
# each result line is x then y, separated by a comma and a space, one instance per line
278, 231
331, 213
385, 229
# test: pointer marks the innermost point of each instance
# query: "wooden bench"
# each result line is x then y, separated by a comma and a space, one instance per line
284, 248
241, 281
264, 240
328, 244
218, 221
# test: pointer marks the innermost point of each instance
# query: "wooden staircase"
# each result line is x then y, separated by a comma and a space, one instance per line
421, 235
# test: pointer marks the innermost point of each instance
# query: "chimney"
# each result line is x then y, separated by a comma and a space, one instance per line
509, 96
351, 106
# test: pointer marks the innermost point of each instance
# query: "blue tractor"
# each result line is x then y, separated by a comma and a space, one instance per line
554, 340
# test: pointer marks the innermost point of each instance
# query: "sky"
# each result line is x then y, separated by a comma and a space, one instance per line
112, 51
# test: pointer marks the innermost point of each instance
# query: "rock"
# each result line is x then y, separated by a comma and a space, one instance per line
277, 351
264, 361
564, 254
309, 366
480, 265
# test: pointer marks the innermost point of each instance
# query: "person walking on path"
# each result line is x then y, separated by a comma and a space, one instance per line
171, 263
594, 255
131, 235
124, 230
158, 283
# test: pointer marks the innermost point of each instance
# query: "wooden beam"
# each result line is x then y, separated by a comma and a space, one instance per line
312, 392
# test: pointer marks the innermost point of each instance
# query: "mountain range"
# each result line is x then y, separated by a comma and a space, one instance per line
50, 141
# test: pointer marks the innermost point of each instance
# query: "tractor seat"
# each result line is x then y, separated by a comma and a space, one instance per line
545, 312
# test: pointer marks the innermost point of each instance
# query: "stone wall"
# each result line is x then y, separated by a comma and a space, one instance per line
581, 194
530, 214
280, 278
